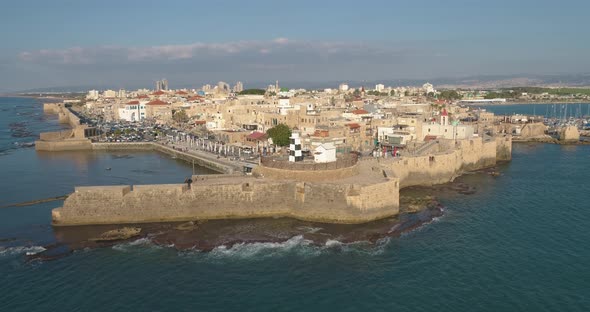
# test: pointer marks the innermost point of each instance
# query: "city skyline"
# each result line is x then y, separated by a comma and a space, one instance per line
137, 43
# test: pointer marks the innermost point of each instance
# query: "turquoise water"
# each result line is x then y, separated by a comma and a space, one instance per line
547, 110
520, 243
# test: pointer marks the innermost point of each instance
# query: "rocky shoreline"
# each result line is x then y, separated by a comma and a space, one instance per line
418, 206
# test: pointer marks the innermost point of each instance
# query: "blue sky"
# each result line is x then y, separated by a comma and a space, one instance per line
132, 43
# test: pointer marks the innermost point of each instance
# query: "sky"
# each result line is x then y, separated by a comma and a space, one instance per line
131, 44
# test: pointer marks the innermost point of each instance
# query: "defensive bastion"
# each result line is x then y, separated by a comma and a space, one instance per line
347, 191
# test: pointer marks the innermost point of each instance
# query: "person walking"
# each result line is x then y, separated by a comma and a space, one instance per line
188, 182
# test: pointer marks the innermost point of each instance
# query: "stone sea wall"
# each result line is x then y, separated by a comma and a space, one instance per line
366, 191
443, 167
229, 198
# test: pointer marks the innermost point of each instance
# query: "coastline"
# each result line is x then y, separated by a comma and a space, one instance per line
533, 103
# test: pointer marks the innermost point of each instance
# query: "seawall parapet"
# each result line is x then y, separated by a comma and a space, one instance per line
222, 198
364, 191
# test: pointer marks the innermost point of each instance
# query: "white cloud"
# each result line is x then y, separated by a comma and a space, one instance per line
199, 50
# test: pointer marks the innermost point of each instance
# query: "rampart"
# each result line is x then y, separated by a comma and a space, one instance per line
223, 198
444, 166
311, 172
364, 191
65, 140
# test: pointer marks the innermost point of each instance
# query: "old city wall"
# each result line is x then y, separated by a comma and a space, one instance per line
65, 140
503, 148
63, 145
336, 196
241, 198
306, 175
443, 167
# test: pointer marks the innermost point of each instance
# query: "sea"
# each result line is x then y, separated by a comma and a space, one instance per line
519, 243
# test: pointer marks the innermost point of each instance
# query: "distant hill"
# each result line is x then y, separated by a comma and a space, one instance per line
481, 82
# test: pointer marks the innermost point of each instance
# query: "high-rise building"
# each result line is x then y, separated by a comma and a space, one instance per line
162, 85
343, 87
109, 94
239, 87
379, 87
92, 95
223, 87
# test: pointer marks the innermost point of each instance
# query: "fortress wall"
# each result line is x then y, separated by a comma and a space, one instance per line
51, 108
55, 135
380, 195
286, 194
308, 176
246, 198
471, 154
504, 148
65, 145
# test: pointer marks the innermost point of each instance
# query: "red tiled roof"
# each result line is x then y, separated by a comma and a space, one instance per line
133, 102
143, 96
181, 92
157, 102
257, 136
360, 112
321, 133
200, 122
353, 125
195, 98
160, 92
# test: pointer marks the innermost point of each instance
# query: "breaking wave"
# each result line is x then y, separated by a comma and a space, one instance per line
20, 250
142, 242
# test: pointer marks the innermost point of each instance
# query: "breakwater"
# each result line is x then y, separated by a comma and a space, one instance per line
75, 138
364, 191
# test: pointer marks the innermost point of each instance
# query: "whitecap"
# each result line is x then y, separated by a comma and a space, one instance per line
141, 242
18, 250
261, 250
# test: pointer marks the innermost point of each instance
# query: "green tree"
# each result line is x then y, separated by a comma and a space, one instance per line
449, 95
180, 116
279, 134
254, 91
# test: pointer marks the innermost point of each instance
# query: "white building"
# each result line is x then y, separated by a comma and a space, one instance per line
239, 87
92, 95
122, 93
343, 87
132, 111
379, 87
109, 94
428, 88
325, 153
446, 130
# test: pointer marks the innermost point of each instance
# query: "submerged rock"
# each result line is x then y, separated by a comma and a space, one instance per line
118, 234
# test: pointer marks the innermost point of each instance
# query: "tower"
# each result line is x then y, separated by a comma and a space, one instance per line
295, 153
444, 117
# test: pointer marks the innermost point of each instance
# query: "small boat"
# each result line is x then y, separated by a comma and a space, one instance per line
107, 168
